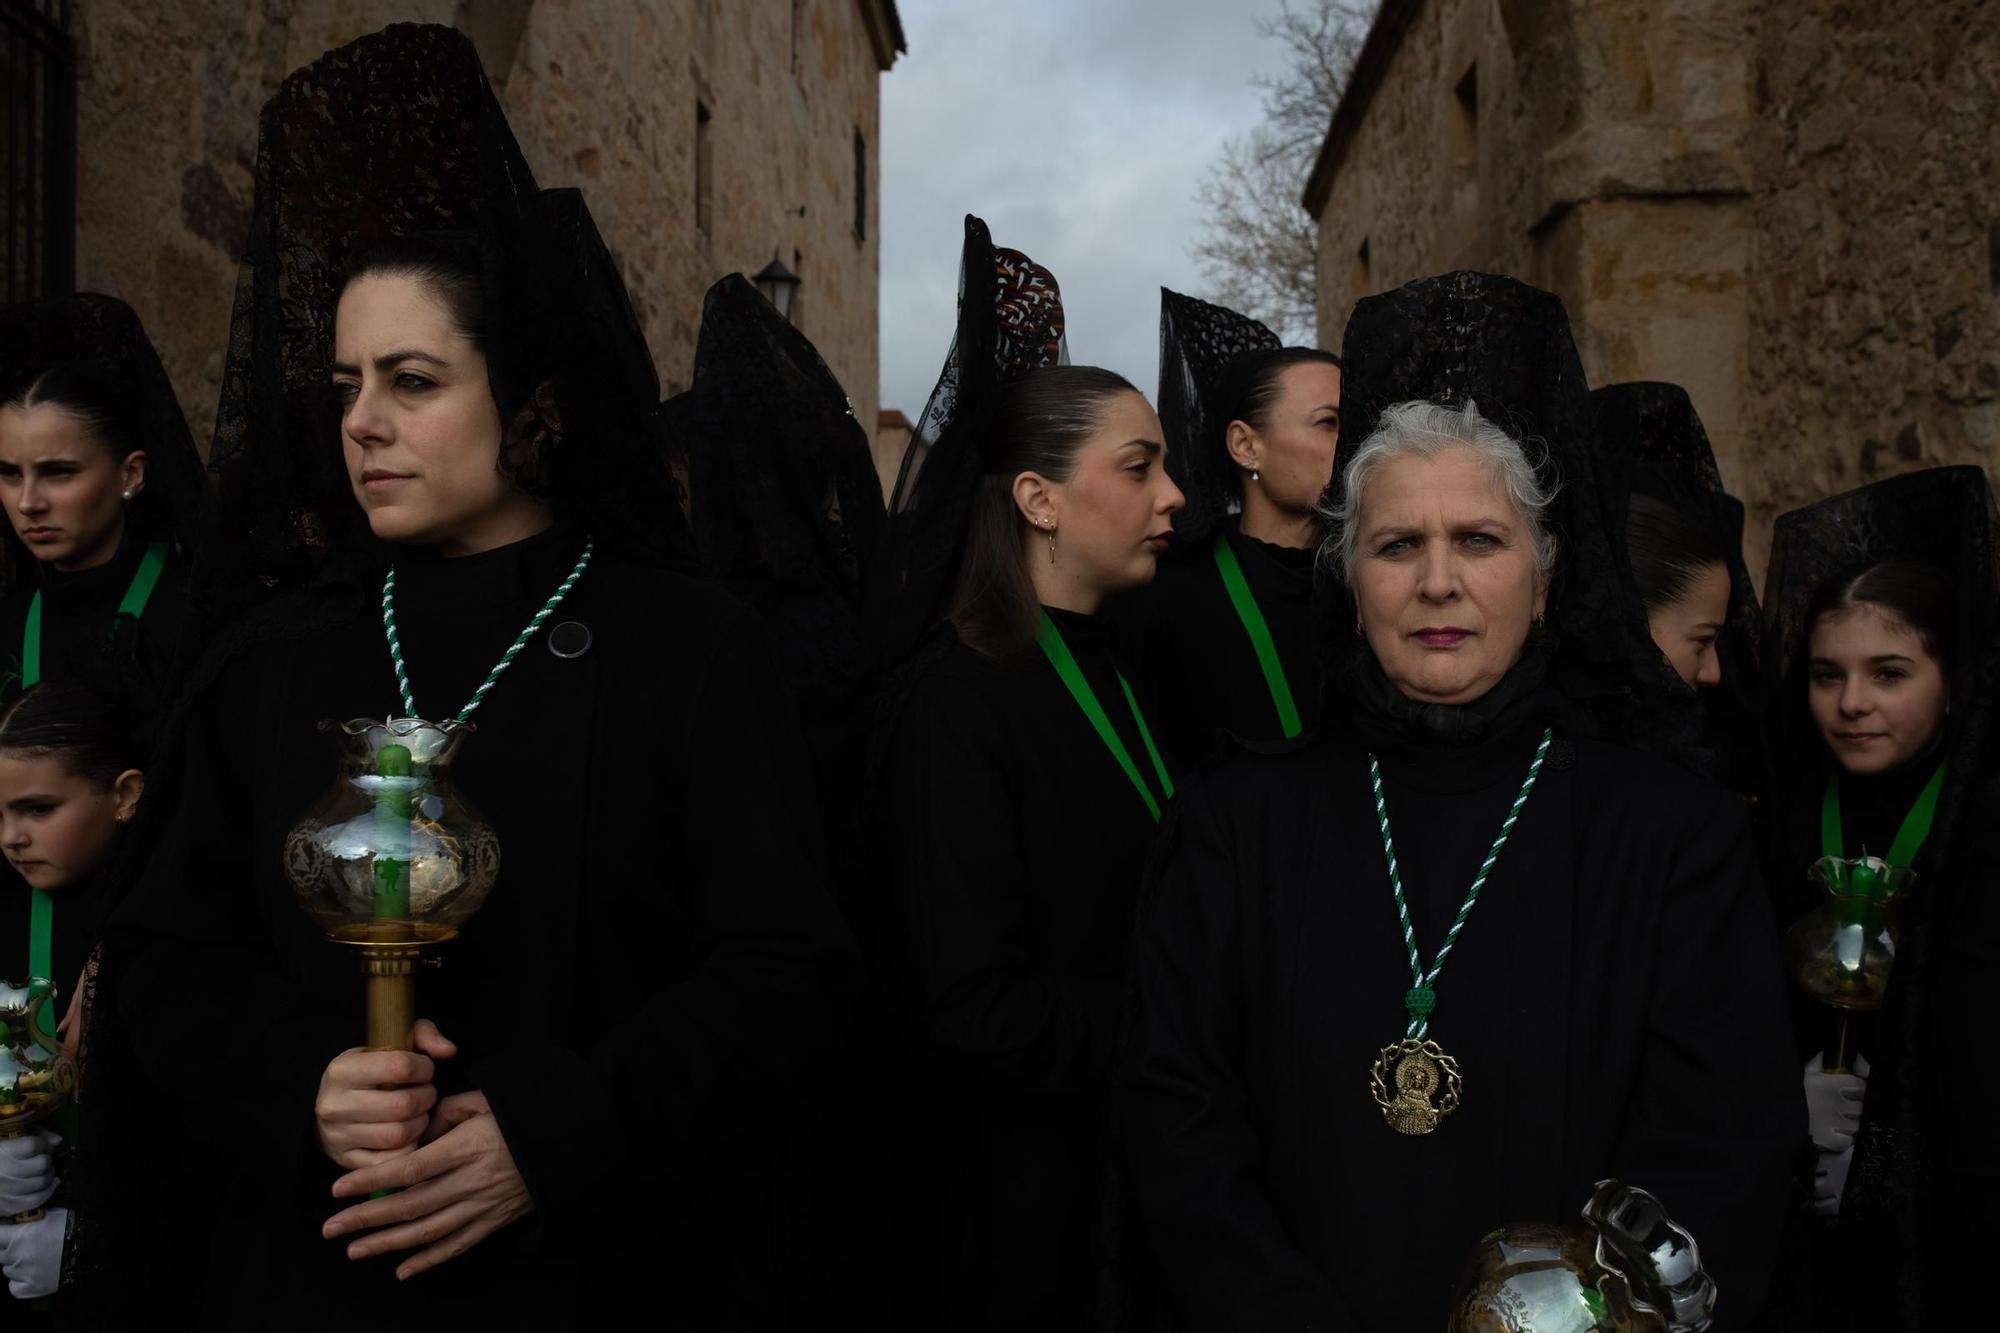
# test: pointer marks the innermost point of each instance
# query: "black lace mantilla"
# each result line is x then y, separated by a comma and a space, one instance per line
1650, 441
1010, 321
399, 134
1506, 347
785, 503
1198, 344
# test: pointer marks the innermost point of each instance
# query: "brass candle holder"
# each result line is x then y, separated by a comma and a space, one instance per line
37, 1077
1842, 952
392, 860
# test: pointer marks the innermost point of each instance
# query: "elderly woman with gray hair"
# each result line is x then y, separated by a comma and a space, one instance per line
1446, 963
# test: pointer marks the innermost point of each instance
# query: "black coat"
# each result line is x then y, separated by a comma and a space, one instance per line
658, 971
1614, 1004
1013, 848
1183, 642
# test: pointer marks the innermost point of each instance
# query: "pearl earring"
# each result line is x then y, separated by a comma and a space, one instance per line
128, 496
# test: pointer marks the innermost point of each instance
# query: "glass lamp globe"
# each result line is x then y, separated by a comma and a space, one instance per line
392, 859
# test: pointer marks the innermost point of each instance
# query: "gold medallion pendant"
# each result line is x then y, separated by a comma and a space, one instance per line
1425, 1082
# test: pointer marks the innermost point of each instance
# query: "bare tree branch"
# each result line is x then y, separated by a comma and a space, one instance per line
1257, 245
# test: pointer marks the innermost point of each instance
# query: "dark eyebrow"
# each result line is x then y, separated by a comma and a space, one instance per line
388, 361
1152, 447
33, 798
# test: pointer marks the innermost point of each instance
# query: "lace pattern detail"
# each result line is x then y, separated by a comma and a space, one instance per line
1198, 344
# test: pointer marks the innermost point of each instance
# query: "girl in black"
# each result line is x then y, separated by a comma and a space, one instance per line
1881, 651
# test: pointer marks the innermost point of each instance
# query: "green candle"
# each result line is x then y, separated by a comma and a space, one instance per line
394, 802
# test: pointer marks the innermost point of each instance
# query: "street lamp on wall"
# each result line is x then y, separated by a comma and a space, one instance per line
779, 285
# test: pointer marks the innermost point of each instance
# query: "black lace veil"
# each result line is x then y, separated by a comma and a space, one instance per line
399, 134
1506, 346
1650, 441
1198, 344
1010, 321
103, 334
785, 503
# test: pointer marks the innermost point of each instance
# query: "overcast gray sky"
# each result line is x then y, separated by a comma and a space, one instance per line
1079, 129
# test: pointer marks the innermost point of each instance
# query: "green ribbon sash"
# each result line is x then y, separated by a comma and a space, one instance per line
1909, 838
1252, 617
1051, 640
41, 912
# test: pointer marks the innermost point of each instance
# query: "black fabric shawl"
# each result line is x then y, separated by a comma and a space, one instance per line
657, 973
1614, 1004
1181, 637
1013, 849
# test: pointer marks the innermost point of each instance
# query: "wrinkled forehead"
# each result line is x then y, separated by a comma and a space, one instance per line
1453, 486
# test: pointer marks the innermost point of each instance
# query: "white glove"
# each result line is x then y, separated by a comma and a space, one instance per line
1830, 1181
27, 1171
31, 1255
1833, 1104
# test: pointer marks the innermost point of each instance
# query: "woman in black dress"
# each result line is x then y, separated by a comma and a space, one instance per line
1222, 638
1022, 789
785, 512
1340, 1075
1880, 700
432, 436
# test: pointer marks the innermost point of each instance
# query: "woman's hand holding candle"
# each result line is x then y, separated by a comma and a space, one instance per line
452, 1193
373, 1105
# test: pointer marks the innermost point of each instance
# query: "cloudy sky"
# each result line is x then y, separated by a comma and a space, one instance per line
1079, 129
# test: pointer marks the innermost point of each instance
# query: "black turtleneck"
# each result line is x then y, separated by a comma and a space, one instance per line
1181, 636
657, 974
1012, 846
1614, 1005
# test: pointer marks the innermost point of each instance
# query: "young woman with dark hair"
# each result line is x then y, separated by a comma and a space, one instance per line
102, 488
1222, 638
1678, 563
1023, 788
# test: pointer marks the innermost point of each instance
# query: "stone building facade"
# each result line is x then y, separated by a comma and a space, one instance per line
1792, 207
709, 136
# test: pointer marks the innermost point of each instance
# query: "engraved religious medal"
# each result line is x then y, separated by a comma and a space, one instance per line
1414, 1082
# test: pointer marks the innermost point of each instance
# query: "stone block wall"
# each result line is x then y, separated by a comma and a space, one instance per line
1874, 328
602, 96
1791, 207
